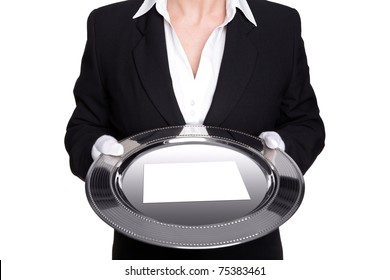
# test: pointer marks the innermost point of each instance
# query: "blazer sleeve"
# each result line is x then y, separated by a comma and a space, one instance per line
300, 124
90, 118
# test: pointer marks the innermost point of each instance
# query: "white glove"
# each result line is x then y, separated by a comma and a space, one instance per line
107, 145
273, 140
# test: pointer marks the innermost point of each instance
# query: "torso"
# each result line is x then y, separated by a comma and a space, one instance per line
193, 34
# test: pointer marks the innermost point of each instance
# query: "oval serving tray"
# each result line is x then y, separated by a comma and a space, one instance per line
205, 164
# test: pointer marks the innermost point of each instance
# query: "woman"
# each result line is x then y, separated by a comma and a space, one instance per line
229, 63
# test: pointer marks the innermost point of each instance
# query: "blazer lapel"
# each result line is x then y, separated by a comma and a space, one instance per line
151, 60
237, 65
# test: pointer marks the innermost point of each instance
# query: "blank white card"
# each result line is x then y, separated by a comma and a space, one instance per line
198, 181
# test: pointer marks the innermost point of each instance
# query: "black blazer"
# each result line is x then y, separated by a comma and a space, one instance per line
263, 85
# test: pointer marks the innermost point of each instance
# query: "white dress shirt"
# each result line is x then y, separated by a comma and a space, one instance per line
194, 94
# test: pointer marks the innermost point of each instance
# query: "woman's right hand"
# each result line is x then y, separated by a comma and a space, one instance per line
107, 145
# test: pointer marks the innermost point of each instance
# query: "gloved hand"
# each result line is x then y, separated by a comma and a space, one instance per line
273, 140
107, 145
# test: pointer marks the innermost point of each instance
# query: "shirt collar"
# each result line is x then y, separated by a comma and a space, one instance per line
231, 6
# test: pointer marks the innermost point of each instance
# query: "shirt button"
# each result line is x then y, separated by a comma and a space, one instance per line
192, 102
192, 113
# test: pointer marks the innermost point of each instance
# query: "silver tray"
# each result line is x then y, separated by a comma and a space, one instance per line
116, 188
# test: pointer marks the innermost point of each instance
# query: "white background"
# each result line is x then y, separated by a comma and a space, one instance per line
48, 230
